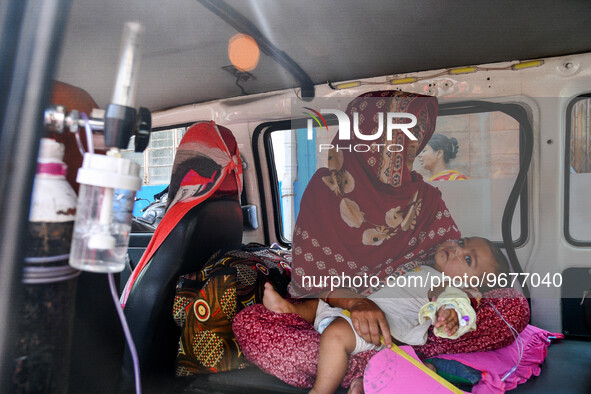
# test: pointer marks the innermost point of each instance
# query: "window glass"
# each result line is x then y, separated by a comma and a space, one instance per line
155, 170
487, 155
158, 156
579, 172
487, 146
476, 183
137, 158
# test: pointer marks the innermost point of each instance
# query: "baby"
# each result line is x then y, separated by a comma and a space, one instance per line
409, 312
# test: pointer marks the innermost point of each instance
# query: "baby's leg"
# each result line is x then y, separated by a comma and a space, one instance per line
274, 302
336, 343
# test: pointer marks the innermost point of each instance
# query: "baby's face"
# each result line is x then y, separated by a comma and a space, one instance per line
471, 256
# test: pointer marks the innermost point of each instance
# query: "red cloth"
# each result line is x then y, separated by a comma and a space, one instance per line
367, 213
207, 154
286, 346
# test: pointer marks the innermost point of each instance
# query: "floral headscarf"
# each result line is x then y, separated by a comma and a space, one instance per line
367, 213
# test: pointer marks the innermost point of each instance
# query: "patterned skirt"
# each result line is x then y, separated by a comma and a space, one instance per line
286, 346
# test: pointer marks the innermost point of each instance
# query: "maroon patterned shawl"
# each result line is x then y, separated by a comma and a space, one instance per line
367, 213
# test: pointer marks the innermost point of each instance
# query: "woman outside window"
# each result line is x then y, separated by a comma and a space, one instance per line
436, 156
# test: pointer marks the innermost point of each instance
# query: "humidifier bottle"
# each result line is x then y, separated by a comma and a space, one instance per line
103, 219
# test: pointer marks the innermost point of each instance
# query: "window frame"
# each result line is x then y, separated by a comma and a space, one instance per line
515, 110
567, 157
145, 153
264, 130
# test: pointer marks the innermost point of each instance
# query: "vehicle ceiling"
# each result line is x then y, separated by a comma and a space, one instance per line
185, 44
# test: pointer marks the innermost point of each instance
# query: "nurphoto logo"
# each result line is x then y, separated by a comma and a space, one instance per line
344, 125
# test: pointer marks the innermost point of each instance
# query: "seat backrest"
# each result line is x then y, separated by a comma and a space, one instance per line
206, 228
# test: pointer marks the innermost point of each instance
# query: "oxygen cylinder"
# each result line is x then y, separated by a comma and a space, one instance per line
46, 321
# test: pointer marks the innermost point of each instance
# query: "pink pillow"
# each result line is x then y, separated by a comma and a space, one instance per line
385, 370
495, 364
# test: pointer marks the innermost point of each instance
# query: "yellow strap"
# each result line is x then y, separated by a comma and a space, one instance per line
418, 364
425, 369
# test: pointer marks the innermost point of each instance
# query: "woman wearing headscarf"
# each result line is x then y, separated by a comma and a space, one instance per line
368, 212
367, 215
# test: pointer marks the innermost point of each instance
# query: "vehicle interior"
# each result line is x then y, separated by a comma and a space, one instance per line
513, 81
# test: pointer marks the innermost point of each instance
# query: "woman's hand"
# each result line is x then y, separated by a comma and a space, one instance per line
369, 321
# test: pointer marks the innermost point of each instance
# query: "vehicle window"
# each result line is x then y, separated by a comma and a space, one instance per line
488, 148
155, 170
578, 172
158, 156
295, 161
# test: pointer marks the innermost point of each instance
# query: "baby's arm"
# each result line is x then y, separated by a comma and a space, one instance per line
448, 319
445, 318
452, 313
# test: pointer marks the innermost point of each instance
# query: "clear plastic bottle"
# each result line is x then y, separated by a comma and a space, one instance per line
103, 216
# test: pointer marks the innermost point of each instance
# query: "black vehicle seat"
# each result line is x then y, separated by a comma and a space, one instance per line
206, 228
214, 224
